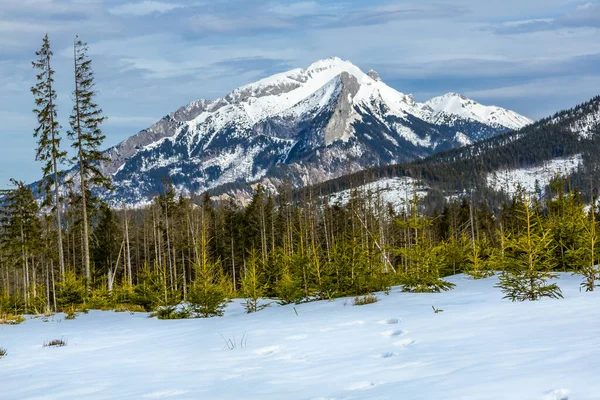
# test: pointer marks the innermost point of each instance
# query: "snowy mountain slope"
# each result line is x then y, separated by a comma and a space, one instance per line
395, 191
480, 347
533, 178
565, 144
299, 127
453, 106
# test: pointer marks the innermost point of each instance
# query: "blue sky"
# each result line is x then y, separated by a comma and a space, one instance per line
153, 56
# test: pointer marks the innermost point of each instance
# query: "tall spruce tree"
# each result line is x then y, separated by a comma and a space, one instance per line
87, 137
48, 135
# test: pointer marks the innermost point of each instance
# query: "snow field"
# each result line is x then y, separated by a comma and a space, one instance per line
480, 347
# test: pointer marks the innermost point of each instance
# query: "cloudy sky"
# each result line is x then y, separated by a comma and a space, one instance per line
152, 56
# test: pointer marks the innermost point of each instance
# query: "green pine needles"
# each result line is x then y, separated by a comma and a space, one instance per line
528, 258
422, 257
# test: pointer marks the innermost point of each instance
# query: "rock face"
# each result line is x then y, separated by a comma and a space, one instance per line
299, 127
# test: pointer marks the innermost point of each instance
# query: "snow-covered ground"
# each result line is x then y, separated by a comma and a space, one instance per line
480, 347
396, 191
508, 180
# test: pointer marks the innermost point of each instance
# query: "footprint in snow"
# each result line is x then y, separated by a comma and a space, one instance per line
404, 342
390, 321
394, 332
388, 354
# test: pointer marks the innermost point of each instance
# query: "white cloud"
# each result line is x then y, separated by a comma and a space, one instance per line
144, 8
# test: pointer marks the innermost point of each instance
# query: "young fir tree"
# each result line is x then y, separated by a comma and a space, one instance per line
288, 287
528, 258
584, 256
477, 265
87, 137
456, 254
567, 214
423, 257
48, 135
253, 288
206, 296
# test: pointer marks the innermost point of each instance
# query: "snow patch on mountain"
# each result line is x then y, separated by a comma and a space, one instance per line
462, 139
509, 180
587, 125
397, 191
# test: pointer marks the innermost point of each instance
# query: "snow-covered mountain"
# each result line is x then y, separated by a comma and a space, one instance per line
566, 144
296, 128
450, 106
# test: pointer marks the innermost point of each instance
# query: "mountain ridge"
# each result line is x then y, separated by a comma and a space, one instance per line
298, 127
566, 143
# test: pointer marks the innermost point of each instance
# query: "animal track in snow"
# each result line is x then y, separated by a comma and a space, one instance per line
393, 332
390, 321
388, 354
404, 342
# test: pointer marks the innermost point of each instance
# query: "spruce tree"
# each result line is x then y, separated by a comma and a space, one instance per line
253, 288
585, 256
87, 137
109, 237
21, 230
206, 296
566, 213
48, 135
288, 287
423, 257
528, 258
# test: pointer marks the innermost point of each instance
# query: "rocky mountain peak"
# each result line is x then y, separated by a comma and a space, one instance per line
374, 75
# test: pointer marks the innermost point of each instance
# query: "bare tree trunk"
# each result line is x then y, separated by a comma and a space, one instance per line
129, 274
61, 257
233, 264
53, 284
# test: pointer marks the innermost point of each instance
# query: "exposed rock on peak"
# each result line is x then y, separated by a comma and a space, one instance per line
374, 75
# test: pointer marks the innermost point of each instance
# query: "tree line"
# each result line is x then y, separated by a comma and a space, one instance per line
71, 250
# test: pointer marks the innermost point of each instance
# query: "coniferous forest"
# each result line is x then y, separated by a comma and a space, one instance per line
63, 249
